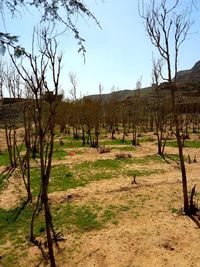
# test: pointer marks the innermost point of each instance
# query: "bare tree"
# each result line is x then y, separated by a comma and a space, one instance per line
46, 103
167, 31
158, 107
73, 80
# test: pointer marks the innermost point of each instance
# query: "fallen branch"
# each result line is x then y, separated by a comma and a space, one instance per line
88, 255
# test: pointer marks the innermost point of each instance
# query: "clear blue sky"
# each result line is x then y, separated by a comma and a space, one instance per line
118, 55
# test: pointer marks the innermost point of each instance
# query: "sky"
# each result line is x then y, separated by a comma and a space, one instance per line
117, 56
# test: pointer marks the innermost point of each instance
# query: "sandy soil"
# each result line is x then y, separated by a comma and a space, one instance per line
153, 236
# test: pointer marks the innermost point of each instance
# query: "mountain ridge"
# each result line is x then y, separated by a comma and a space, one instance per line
183, 78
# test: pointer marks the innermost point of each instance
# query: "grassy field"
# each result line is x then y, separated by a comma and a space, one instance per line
81, 172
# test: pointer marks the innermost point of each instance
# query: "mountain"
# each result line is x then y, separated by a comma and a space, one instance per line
121, 94
184, 78
191, 76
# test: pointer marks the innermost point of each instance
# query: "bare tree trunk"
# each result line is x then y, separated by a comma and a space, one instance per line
180, 150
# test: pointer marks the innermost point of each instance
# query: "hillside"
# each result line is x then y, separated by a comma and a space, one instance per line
184, 78
191, 76
121, 94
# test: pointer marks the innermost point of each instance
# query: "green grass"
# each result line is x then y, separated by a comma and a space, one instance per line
79, 175
59, 153
72, 217
86, 218
97, 170
70, 143
83, 217
15, 225
75, 218
110, 214
143, 160
62, 178
126, 148
69, 216
187, 143
116, 142
174, 157
174, 210
142, 172
101, 176
3, 178
146, 139
4, 159
106, 163
16, 229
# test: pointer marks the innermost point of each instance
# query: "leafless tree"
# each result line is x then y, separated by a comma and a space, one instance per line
167, 31
158, 107
73, 80
46, 104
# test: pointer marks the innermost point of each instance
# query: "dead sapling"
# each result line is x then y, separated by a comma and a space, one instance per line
189, 159
61, 141
193, 206
134, 180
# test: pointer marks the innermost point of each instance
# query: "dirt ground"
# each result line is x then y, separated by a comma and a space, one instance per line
154, 237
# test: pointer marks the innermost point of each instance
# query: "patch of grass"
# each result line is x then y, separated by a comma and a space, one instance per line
10, 260
83, 217
174, 157
69, 143
143, 172
171, 143
116, 142
15, 229
126, 148
16, 221
108, 215
101, 176
61, 179
144, 160
187, 143
101, 169
155, 158
81, 174
174, 210
106, 164
192, 144
146, 139
86, 218
3, 179
4, 159
64, 216
59, 153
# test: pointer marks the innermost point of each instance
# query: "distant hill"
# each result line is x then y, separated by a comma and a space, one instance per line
191, 76
121, 94
184, 78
